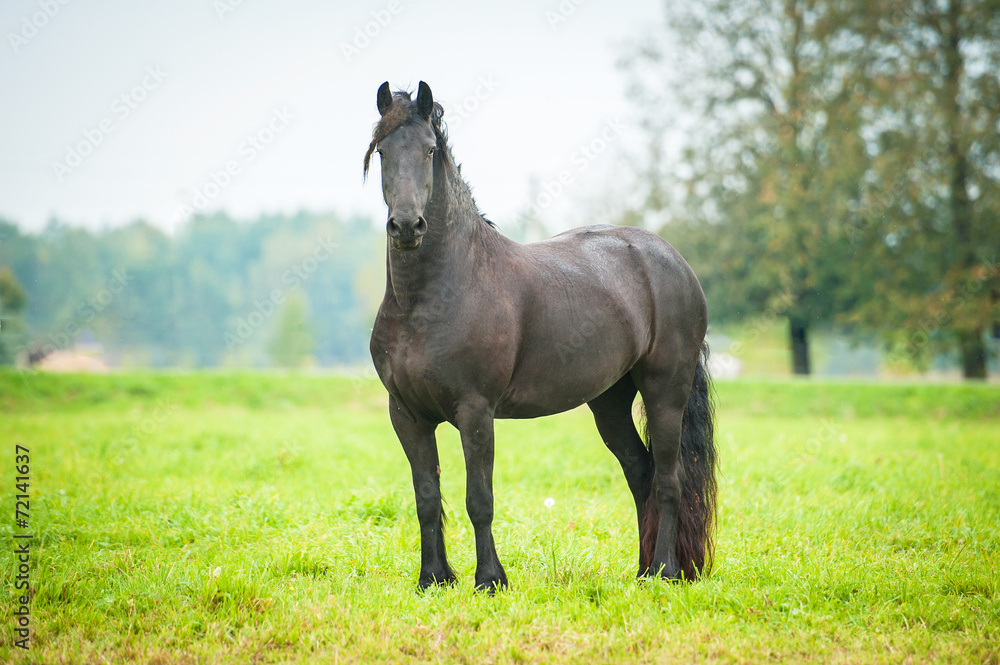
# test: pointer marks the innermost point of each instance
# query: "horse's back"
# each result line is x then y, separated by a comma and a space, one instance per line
610, 241
634, 260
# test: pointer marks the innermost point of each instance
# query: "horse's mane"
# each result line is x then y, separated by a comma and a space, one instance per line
404, 110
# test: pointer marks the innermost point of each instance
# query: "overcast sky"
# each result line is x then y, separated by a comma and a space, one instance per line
118, 109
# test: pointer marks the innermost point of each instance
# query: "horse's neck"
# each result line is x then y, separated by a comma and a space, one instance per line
448, 252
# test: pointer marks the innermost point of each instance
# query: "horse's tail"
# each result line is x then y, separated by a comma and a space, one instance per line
695, 548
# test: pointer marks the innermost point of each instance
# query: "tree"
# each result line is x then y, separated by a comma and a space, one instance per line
932, 196
771, 159
292, 343
12, 302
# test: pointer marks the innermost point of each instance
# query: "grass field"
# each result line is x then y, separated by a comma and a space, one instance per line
267, 518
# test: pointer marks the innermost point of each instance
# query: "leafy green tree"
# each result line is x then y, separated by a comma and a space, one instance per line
771, 164
292, 343
929, 219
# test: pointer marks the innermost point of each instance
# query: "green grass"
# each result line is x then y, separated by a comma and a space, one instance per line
269, 518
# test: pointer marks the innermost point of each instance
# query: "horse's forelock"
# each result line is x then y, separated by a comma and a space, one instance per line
397, 114
401, 111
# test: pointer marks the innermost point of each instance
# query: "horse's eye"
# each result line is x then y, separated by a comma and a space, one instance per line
430, 152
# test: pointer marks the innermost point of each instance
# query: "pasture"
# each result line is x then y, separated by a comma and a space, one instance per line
187, 518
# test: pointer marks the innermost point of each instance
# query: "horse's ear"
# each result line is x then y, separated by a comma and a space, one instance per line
425, 100
384, 98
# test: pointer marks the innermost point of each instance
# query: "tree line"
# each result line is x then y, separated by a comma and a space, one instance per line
278, 290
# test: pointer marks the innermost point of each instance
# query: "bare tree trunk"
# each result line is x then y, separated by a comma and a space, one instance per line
973, 351
799, 337
970, 341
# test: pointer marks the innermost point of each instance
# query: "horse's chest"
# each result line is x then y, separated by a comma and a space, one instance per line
410, 355
408, 360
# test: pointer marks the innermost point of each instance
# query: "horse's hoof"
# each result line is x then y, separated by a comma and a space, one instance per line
491, 587
662, 572
492, 584
432, 581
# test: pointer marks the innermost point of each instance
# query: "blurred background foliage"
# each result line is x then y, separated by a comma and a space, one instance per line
216, 293
829, 168
839, 168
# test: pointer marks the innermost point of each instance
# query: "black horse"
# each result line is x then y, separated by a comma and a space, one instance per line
475, 326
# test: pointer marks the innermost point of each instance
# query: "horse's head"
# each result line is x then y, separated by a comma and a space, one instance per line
409, 139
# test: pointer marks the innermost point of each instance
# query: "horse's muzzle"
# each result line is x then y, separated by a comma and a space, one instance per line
406, 232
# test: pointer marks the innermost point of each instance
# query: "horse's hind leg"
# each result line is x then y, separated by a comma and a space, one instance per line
613, 416
664, 389
420, 446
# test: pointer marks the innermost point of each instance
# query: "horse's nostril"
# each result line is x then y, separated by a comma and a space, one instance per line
406, 225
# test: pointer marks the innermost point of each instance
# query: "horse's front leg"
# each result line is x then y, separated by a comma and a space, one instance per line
475, 423
420, 446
